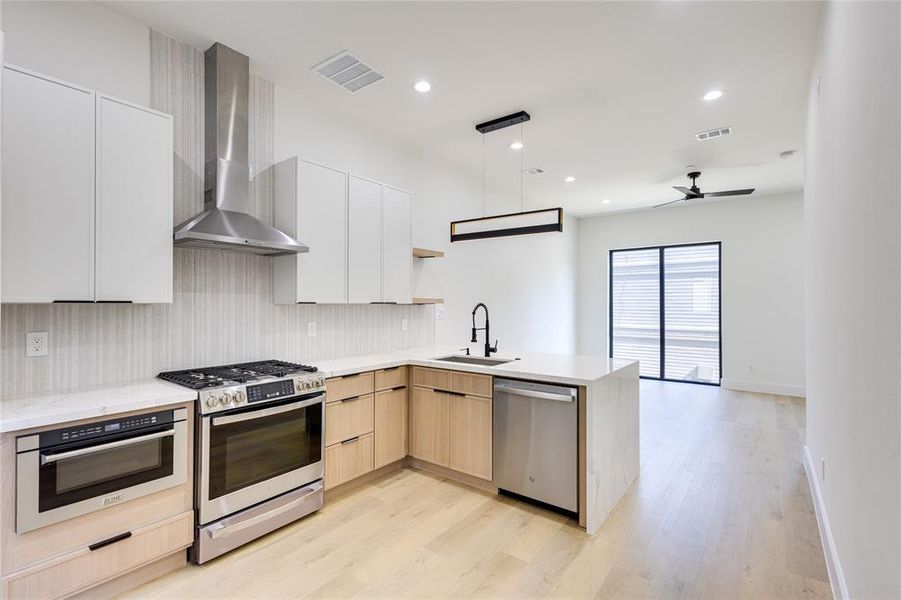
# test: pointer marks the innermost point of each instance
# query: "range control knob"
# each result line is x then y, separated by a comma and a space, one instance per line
240, 398
211, 401
225, 399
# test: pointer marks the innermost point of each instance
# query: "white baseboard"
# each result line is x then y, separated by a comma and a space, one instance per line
833, 566
764, 388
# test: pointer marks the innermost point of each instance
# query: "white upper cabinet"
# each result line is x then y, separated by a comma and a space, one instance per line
364, 241
87, 195
358, 231
48, 189
311, 206
134, 203
397, 246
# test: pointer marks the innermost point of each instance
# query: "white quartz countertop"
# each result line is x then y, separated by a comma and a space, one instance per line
572, 369
38, 410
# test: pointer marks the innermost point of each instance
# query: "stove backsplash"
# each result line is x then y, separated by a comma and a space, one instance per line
223, 309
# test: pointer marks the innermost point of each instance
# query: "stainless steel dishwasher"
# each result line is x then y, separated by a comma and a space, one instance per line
536, 441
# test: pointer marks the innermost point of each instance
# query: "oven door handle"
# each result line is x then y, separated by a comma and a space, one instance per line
49, 458
266, 412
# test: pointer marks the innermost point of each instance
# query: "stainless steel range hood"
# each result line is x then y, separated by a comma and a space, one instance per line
225, 222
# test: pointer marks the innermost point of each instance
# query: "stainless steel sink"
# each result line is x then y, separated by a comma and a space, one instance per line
476, 360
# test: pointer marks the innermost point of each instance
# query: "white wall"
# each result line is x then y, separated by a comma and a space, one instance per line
80, 42
528, 283
762, 281
853, 295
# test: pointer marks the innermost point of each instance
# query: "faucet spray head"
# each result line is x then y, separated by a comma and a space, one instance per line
474, 339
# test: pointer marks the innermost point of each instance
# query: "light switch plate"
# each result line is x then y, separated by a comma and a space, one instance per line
403, 324
36, 343
311, 329
440, 313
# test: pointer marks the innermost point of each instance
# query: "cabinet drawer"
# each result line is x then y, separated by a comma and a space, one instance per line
390, 378
431, 378
348, 418
84, 568
339, 388
348, 460
471, 384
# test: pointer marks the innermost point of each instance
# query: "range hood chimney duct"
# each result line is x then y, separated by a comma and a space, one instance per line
225, 222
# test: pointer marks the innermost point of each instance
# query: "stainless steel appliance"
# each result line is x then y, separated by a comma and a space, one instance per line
67, 472
536, 441
226, 222
260, 447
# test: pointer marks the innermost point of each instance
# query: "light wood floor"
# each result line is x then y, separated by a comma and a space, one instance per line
721, 510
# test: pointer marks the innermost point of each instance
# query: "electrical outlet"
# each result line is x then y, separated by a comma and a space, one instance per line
823, 469
36, 344
440, 313
311, 329
751, 369
403, 324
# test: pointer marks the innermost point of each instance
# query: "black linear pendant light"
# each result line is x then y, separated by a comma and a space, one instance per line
519, 223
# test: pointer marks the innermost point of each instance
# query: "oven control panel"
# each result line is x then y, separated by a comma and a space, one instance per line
270, 391
103, 428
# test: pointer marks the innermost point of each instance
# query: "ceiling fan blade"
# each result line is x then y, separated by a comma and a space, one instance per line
685, 191
670, 202
730, 193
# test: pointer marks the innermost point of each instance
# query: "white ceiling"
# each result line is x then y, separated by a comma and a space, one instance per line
614, 88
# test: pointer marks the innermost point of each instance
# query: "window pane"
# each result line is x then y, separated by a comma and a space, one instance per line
635, 294
692, 313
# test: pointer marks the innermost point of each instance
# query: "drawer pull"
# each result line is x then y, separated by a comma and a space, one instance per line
351, 440
351, 399
398, 387
110, 541
454, 393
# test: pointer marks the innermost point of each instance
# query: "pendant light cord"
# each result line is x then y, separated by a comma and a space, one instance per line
483, 175
523, 142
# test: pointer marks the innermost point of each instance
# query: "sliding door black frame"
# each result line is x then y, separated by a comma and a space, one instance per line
662, 301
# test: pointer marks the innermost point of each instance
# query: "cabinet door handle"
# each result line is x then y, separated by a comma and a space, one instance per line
110, 541
350, 441
351, 399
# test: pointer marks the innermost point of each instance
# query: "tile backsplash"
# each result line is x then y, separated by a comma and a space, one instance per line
223, 310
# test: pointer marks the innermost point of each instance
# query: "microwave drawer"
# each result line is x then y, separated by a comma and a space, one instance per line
87, 567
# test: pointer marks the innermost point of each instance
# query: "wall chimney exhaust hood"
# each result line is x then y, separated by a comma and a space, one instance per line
225, 223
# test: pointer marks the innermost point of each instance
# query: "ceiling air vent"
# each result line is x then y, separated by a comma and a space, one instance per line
535, 171
348, 71
713, 134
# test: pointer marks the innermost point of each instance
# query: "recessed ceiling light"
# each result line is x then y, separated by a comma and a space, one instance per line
516, 146
605, 201
713, 95
569, 179
422, 86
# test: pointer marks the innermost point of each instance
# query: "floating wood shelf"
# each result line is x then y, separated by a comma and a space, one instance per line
426, 253
428, 300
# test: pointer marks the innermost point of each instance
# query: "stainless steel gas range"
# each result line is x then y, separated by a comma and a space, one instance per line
259, 450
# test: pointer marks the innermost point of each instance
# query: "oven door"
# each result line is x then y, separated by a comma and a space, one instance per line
251, 454
61, 483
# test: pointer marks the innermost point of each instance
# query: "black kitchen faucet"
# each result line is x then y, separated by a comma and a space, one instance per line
488, 348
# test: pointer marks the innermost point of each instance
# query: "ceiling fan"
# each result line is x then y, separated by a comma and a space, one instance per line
695, 192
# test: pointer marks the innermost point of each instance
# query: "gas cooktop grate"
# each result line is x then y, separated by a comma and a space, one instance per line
198, 379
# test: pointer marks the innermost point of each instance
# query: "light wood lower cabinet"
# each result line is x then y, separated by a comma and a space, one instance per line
84, 568
348, 460
429, 433
348, 418
390, 426
470, 435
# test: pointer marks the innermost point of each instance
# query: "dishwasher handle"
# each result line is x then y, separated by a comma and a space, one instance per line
565, 394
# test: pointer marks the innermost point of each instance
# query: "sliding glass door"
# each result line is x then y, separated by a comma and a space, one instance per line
665, 311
